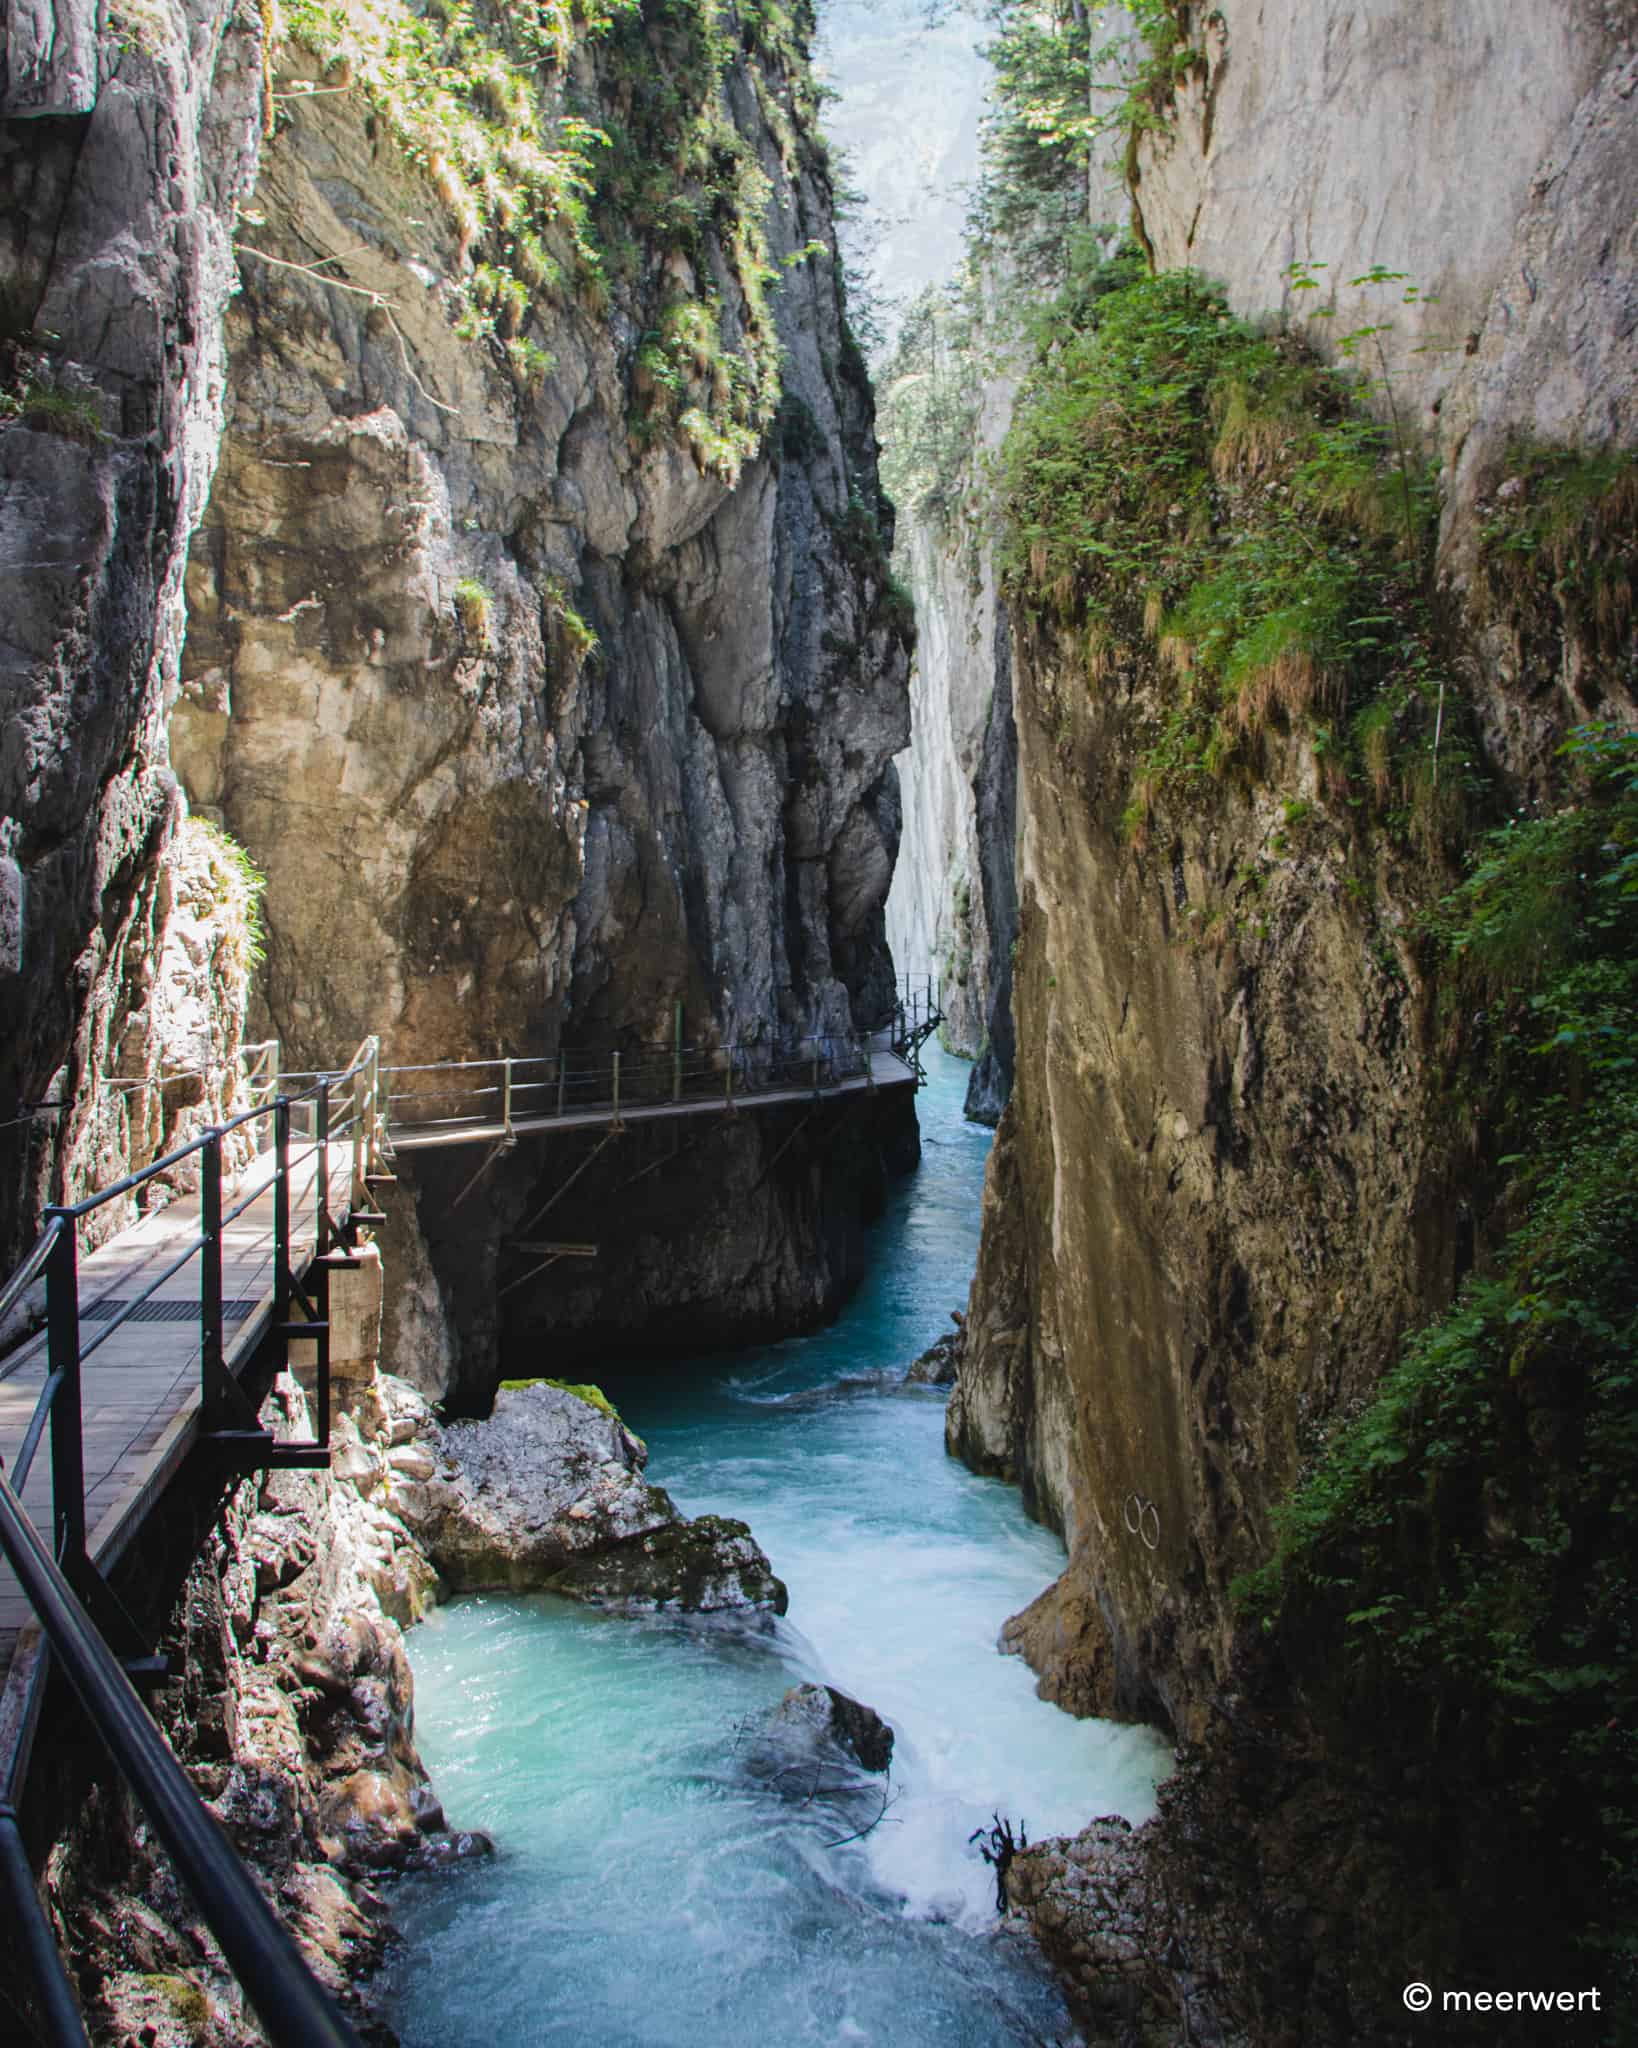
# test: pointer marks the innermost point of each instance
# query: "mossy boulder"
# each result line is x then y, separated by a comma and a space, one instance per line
548, 1495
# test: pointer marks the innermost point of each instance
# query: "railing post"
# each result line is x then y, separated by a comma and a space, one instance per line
506, 1097
728, 1077
63, 1356
282, 1276
869, 1064
561, 1078
362, 1109
373, 1156
816, 1066
211, 1366
676, 1056
321, 1208
321, 1348
616, 1089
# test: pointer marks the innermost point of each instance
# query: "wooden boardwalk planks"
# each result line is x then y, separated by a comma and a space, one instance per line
140, 1386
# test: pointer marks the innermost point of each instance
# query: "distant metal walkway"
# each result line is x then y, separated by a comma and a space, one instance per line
496, 1100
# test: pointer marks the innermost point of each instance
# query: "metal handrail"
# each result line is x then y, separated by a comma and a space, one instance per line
31, 1268
650, 1075
293, 2007
287, 1997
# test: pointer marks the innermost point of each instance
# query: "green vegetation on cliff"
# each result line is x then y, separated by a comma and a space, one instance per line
1186, 494
1209, 528
1459, 1574
579, 152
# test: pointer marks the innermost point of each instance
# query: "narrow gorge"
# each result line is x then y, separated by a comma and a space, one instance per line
818, 913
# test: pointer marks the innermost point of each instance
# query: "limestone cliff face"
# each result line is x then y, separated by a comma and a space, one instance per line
122, 154
550, 677
1223, 1189
1481, 155
952, 907
540, 722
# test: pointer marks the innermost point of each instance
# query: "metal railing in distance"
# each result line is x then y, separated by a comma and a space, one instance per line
259, 1072
500, 1093
288, 2000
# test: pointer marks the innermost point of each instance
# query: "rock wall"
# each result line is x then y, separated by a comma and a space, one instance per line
540, 647
540, 722
936, 920
1224, 1186
1483, 158
951, 909
122, 155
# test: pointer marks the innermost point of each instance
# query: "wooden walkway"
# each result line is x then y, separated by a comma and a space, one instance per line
140, 1388
887, 1071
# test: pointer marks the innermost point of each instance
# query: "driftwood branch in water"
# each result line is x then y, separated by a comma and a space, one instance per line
998, 1847
889, 1798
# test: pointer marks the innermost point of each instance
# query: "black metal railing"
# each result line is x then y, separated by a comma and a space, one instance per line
499, 1093
917, 1014
87, 1630
287, 1998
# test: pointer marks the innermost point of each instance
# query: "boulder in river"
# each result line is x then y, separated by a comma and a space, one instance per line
811, 1719
941, 1361
548, 1495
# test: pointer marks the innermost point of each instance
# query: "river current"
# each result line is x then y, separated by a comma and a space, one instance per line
651, 1889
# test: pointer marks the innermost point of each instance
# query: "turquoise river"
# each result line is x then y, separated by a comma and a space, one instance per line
651, 1889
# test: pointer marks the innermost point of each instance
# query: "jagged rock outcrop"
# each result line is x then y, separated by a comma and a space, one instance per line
548, 1495
940, 1362
122, 157
812, 1720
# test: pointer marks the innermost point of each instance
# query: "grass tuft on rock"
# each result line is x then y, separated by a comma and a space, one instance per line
594, 1397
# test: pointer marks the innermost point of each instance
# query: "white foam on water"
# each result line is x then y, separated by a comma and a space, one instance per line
651, 1890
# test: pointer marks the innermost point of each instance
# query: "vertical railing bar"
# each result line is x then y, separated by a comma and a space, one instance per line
361, 1110
63, 1356
562, 1077
677, 1054
616, 1071
56, 2003
282, 1275
506, 1096
210, 1282
321, 1306
321, 1210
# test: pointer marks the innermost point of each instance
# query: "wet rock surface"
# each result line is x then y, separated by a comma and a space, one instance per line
940, 1363
548, 1495
811, 1718
1091, 1903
